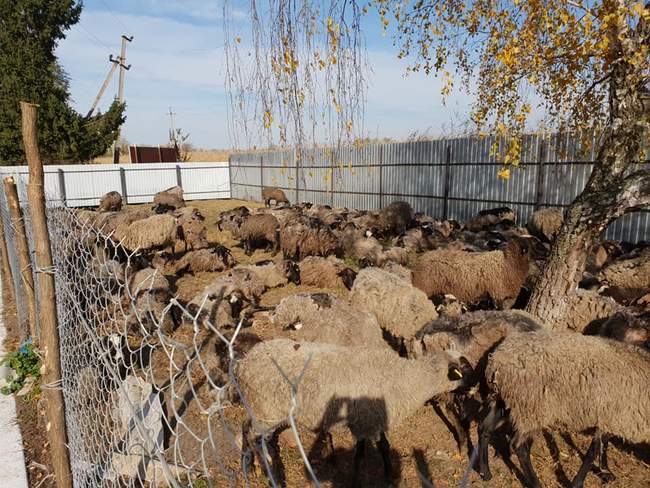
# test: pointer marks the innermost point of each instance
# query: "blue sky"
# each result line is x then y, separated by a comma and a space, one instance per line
177, 60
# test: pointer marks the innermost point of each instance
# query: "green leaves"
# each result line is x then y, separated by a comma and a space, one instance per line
29, 32
26, 367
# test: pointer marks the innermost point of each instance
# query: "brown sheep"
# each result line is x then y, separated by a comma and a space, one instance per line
472, 335
307, 237
490, 217
546, 223
546, 380
215, 259
588, 310
328, 272
270, 193
473, 276
231, 220
191, 228
274, 273
395, 218
169, 199
111, 202
260, 229
401, 309
628, 279
320, 317
155, 232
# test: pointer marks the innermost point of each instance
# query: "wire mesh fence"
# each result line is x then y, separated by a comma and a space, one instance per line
148, 382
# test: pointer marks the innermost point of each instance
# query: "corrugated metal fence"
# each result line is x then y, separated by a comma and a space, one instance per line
82, 185
445, 178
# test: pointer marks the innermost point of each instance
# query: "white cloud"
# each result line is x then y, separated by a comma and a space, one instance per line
181, 64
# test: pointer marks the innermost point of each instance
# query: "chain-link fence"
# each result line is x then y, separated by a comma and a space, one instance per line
148, 384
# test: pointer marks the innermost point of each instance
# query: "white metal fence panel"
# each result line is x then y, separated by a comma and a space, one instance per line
79, 185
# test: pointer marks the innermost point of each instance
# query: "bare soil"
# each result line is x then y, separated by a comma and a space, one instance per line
29, 412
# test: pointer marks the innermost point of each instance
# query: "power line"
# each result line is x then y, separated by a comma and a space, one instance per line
93, 37
110, 11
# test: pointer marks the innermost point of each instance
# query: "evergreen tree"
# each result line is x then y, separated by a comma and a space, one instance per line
29, 33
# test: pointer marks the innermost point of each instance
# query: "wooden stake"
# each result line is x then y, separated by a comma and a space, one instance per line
22, 249
49, 332
7, 275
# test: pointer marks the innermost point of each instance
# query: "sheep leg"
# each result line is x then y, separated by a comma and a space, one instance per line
486, 428
605, 474
247, 453
384, 449
588, 461
523, 453
460, 428
359, 453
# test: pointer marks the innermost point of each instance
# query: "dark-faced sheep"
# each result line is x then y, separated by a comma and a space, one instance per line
490, 217
260, 230
231, 220
546, 223
395, 218
473, 276
566, 381
273, 194
111, 202
473, 335
169, 199
369, 391
328, 272
191, 228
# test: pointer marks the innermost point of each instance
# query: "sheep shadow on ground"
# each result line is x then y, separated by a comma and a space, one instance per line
375, 467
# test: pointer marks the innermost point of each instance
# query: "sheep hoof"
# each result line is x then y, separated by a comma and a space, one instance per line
485, 475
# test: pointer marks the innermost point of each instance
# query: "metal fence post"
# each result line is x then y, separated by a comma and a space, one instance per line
22, 249
48, 320
381, 176
179, 176
123, 185
261, 173
295, 162
539, 195
230, 176
62, 192
445, 208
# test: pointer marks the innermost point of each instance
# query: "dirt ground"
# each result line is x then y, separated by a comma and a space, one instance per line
29, 413
423, 450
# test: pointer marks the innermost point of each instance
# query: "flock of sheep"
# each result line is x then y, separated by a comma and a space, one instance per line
424, 314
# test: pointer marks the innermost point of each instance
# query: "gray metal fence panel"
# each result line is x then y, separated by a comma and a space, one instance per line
445, 178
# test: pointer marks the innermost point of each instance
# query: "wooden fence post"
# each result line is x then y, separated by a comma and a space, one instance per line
7, 275
22, 249
48, 319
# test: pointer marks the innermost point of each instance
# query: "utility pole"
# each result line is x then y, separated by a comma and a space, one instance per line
114, 63
120, 93
172, 129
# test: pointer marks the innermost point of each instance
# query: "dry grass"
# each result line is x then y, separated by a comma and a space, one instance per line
196, 156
